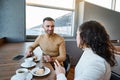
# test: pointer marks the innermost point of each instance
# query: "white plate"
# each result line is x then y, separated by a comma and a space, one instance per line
26, 66
47, 71
29, 77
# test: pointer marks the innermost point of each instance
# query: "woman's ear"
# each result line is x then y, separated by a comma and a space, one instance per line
82, 43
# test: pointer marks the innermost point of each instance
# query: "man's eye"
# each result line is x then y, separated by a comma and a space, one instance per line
47, 26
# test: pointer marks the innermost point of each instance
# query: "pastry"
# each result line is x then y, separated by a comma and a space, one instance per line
41, 70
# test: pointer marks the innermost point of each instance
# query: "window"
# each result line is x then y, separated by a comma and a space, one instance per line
103, 3
117, 7
63, 14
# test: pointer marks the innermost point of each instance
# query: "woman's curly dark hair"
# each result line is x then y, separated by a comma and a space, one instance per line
94, 35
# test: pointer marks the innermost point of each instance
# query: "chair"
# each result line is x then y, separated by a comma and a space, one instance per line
67, 63
114, 76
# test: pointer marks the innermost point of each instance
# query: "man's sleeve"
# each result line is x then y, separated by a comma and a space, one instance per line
62, 52
35, 44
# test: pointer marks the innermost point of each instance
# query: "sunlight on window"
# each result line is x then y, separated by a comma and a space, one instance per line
117, 8
103, 3
55, 3
35, 15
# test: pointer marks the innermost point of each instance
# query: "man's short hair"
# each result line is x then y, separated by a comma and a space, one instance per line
48, 19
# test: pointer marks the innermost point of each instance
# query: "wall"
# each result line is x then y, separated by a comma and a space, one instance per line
110, 19
12, 20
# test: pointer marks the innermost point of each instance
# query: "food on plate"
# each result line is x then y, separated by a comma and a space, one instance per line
41, 70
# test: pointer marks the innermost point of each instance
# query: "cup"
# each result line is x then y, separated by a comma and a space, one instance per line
22, 73
28, 61
39, 56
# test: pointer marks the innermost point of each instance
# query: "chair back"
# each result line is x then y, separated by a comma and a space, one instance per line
114, 76
67, 63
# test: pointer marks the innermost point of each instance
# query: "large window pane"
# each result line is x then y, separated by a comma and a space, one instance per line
103, 3
117, 8
35, 15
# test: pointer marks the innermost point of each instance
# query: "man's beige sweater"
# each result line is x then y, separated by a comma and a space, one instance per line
53, 45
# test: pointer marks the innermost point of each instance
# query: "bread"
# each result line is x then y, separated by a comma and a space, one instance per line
40, 71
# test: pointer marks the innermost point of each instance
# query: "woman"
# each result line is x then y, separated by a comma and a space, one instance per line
98, 56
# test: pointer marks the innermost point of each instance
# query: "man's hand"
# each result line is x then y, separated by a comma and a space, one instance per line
29, 53
47, 58
58, 68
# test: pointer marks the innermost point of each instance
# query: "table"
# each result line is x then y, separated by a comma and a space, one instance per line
9, 66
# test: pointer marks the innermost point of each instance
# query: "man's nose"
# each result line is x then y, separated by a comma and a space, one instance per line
50, 28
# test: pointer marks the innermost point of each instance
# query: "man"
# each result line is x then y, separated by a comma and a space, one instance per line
52, 44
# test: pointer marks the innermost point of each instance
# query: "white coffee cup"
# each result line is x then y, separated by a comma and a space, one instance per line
28, 61
21, 73
38, 55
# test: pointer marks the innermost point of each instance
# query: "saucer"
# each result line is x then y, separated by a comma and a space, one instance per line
29, 77
47, 71
26, 66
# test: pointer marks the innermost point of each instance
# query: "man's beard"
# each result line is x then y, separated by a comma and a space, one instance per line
50, 32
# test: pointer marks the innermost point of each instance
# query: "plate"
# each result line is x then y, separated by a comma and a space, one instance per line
29, 77
26, 66
47, 71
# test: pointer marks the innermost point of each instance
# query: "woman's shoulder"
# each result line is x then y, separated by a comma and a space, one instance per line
93, 61
93, 56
